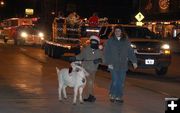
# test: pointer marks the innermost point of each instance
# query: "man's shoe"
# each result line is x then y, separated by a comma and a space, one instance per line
111, 98
91, 98
118, 100
87, 99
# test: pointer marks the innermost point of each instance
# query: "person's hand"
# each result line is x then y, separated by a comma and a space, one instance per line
110, 67
135, 65
96, 61
72, 59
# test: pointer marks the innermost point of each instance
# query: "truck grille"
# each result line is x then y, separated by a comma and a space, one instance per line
147, 50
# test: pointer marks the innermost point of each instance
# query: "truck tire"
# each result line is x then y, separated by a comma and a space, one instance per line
15, 41
49, 51
5, 40
57, 52
20, 42
77, 52
53, 52
46, 47
161, 71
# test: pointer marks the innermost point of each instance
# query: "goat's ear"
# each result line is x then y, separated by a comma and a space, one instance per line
73, 64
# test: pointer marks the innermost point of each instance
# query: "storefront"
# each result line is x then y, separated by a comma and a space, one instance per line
162, 17
168, 29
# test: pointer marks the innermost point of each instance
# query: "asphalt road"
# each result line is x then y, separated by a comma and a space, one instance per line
28, 84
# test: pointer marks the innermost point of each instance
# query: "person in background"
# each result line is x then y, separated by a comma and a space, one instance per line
94, 20
91, 56
117, 53
73, 18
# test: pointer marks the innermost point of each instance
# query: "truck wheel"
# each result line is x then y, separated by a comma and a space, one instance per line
20, 42
53, 52
77, 52
49, 51
5, 40
57, 52
15, 41
161, 71
46, 49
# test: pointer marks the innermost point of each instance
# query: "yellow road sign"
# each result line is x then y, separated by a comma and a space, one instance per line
139, 16
139, 23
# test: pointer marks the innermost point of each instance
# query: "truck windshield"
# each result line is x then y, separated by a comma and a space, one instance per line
131, 31
139, 32
29, 29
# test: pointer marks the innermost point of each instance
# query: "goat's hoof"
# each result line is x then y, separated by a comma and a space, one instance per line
60, 100
65, 98
74, 103
81, 102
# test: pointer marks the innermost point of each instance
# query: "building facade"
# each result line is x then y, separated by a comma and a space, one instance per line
161, 16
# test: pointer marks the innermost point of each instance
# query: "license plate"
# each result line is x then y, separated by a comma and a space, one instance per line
149, 61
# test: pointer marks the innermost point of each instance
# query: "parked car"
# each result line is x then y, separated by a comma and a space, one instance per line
150, 50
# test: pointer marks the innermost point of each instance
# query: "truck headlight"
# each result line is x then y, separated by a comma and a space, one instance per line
165, 46
24, 34
41, 34
166, 49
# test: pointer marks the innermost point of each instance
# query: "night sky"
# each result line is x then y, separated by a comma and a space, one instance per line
15, 8
106, 8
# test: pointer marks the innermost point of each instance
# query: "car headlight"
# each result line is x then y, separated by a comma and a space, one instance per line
133, 46
165, 46
165, 49
41, 34
24, 34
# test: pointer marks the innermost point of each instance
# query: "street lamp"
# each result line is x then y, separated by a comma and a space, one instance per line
2, 3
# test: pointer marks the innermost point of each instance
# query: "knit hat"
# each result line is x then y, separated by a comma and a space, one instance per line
95, 38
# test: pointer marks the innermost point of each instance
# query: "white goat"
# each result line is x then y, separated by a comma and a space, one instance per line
75, 79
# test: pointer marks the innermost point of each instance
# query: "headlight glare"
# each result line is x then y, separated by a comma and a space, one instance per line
40, 34
42, 38
24, 34
167, 52
165, 46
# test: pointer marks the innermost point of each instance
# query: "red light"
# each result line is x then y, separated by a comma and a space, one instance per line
34, 19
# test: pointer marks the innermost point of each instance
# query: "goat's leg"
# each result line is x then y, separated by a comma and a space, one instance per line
60, 90
64, 92
75, 95
80, 95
